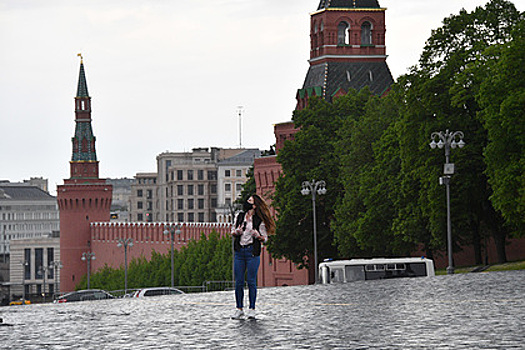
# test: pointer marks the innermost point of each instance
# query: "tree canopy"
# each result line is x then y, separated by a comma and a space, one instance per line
383, 196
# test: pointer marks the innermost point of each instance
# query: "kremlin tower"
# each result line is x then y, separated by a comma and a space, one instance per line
84, 197
347, 50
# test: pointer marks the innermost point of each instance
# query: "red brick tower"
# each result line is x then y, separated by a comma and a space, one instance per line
84, 197
347, 50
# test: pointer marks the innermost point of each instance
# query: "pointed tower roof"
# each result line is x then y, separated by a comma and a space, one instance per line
348, 4
82, 90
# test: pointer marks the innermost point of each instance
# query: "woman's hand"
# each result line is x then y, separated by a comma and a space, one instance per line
256, 234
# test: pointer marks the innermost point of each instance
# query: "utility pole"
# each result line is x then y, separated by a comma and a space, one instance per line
240, 109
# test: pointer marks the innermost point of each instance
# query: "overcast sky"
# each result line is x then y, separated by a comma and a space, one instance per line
165, 75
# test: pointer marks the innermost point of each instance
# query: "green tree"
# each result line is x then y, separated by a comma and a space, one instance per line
438, 95
311, 156
502, 100
209, 258
368, 153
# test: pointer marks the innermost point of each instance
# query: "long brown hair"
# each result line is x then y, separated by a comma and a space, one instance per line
262, 211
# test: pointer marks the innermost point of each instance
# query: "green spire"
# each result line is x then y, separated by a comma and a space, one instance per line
82, 90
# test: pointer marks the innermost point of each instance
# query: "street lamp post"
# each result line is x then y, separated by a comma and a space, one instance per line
447, 140
56, 265
314, 187
172, 229
24, 264
43, 270
88, 256
128, 242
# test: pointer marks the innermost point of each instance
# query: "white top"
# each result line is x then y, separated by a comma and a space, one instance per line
249, 234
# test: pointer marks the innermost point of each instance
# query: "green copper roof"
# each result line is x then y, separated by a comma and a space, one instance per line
82, 90
349, 4
84, 143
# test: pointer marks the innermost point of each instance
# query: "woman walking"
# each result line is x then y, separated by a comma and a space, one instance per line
252, 226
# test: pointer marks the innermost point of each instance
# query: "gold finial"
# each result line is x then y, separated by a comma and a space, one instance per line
81, 58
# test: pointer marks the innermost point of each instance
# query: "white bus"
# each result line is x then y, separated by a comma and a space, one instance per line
342, 271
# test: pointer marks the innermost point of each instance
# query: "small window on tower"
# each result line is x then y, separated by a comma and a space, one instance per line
343, 33
366, 34
371, 75
348, 76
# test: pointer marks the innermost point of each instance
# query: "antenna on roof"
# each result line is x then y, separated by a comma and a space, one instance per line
240, 109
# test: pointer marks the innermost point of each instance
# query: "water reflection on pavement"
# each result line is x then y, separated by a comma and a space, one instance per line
469, 311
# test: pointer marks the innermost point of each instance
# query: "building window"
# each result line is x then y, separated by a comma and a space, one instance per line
139, 193
150, 194
343, 33
190, 190
213, 189
228, 201
190, 174
212, 175
50, 259
228, 187
140, 217
200, 174
227, 173
39, 262
191, 217
180, 204
191, 204
366, 34
150, 206
201, 217
238, 186
200, 190
180, 217
238, 173
180, 190
139, 205
213, 202
27, 264
179, 174
200, 203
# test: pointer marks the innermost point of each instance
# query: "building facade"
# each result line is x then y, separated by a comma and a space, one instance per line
26, 212
35, 268
232, 175
120, 198
143, 198
190, 186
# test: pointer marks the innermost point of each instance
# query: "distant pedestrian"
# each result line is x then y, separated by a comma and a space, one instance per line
252, 227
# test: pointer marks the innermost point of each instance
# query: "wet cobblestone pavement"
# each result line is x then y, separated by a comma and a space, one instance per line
470, 311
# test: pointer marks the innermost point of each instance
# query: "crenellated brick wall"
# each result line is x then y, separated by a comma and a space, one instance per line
147, 237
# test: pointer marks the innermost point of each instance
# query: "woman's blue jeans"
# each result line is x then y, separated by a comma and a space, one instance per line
245, 262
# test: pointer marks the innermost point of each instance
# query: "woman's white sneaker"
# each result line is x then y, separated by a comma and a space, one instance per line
250, 314
238, 314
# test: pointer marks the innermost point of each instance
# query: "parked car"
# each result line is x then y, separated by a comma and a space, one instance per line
156, 291
82, 295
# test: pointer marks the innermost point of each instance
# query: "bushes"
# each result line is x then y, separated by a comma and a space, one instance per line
209, 258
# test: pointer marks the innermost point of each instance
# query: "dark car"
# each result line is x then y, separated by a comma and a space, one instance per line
82, 295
